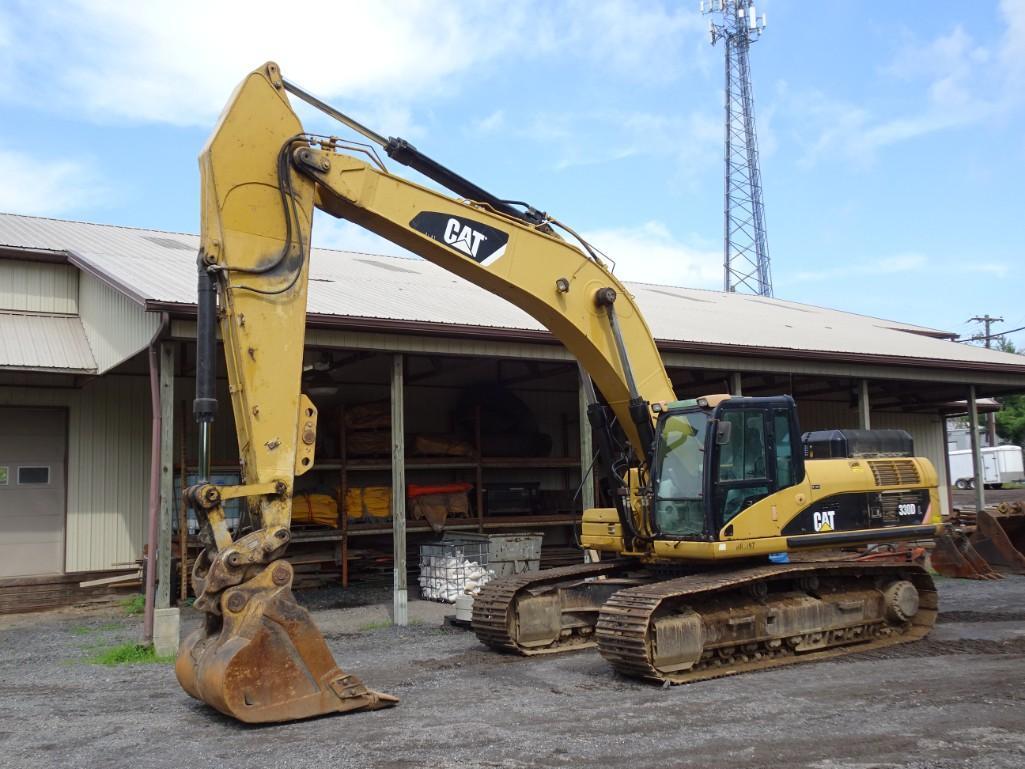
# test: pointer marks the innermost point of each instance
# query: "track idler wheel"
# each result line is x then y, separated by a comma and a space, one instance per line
264, 660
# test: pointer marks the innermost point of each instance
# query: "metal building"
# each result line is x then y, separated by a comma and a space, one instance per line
82, 304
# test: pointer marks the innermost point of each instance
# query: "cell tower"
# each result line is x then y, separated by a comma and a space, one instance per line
745, 248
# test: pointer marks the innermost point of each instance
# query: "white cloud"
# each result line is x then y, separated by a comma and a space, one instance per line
108, 60
39, 187
152, 62
634, 38
493, 122
960, 82
602, 136
651, 254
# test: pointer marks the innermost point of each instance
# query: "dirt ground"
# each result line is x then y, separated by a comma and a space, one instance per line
956, 699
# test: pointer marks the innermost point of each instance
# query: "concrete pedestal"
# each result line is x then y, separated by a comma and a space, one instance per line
166, 631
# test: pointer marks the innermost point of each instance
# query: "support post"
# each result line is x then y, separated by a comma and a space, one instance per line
586, 454
948, 497
864, 406
400, 613
167, 511
973, 426
736, 385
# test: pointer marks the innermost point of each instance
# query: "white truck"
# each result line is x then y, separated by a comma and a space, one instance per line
1000, 465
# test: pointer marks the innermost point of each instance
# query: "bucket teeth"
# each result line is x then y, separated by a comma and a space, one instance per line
954, 556
262, 658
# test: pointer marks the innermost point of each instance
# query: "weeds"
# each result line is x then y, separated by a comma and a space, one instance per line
134, 605
128, 654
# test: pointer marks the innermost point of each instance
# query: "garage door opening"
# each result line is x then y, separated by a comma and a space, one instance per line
33, 451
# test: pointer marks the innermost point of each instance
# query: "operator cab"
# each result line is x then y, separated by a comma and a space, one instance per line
717, 456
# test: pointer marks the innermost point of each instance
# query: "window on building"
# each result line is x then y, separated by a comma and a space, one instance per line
33, 475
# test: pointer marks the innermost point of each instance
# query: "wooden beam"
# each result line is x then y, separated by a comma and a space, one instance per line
400, 607
168, 352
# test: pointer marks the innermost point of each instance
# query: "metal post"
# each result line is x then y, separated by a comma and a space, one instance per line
398, 493
164, 555
586, 453
736, 385
973, 425
864, 406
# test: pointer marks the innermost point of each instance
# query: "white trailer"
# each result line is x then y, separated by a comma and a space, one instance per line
1000, 464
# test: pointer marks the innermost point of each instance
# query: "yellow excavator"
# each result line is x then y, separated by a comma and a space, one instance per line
723, 537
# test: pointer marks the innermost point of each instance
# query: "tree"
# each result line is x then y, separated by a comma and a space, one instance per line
1011, 417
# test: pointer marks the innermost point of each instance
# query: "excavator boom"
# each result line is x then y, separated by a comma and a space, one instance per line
262, 176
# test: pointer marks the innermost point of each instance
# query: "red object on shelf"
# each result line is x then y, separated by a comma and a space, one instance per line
413, 490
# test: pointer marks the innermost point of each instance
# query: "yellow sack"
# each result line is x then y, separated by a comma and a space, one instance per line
315, 508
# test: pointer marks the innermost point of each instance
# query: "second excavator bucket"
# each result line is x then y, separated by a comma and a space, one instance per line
1000, 537
262, 659
954, 556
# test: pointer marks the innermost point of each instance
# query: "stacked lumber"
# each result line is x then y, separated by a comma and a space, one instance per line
23, 594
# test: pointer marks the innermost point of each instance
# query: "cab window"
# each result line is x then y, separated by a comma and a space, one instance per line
742, 469
743, 457
784, 449
679, 463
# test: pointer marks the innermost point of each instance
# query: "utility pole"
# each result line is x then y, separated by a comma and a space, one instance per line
745, 246
987, 320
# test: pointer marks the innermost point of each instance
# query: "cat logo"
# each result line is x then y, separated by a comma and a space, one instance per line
476, 240
824, 520
463, 237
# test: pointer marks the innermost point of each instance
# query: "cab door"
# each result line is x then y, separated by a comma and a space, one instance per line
758, 456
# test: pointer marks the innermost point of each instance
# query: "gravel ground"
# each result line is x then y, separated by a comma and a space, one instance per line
956, 699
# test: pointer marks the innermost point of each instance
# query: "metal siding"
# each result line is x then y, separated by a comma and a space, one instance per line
108, 467
117, 327
38, 287
37, 342
926, 429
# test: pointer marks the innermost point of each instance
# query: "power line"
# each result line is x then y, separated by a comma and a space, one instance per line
982, 337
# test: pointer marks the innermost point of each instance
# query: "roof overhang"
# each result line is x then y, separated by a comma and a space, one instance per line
55, 344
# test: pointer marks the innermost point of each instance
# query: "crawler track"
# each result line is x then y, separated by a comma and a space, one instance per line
740, 600
493, 609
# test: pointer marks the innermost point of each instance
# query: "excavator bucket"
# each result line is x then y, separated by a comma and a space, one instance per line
954, 556
1000, 537
262, 659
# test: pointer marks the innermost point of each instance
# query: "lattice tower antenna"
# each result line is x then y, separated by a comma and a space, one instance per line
745, 248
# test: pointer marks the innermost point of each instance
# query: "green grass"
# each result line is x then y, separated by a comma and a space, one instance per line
128, 654
134, 605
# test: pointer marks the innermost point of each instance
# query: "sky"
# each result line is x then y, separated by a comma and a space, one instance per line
892, 135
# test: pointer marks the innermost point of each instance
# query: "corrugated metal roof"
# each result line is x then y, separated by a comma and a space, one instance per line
51, 342
155, 266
